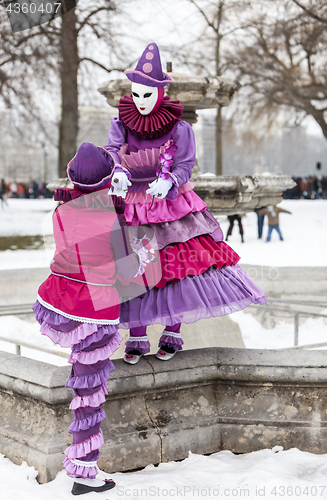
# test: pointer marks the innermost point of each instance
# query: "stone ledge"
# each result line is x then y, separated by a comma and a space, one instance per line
47, 382
205, 401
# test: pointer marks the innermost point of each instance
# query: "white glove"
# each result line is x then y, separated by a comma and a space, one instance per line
120, 183
160, 187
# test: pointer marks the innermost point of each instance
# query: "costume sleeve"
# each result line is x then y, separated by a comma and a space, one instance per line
283, 210
184, 159
127, 263
117, 137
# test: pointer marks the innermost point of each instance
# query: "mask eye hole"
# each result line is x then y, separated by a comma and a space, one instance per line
148, 94
135, 94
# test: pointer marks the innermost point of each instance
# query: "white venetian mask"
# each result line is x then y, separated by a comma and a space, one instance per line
144, 97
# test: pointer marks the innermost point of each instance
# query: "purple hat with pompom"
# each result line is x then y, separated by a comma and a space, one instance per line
148, 70
91, 168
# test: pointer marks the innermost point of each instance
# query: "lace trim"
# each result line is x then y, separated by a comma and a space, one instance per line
83, 464
78, 318
145, 338
172, 334
80, 281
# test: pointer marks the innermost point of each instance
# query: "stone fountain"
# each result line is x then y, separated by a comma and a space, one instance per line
224, 195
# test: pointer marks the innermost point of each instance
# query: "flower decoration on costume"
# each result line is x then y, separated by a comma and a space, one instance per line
144, 252
166, 159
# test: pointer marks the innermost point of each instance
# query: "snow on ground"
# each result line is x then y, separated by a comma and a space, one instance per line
25, 259
305, 235
14, 328
268, 474
304, 232
26, 217
255, 336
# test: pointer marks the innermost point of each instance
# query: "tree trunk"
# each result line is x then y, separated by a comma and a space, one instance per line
69, 91
319, 116
219, 146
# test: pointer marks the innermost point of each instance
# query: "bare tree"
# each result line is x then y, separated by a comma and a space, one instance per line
58, 49
23, 59
222, 21
282, 64
316, 9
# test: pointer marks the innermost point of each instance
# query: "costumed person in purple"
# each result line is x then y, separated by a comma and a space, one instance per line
156, 152
78, 305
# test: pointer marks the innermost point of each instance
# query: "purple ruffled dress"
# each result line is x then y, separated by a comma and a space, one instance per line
197, 284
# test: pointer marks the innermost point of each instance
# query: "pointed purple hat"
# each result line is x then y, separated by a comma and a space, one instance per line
148, 70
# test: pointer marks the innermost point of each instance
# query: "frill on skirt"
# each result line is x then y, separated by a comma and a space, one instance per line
194, 257
92, 379
84, 423
190, 226
216, 292
80, 450
163, 210
92, 357
92, 400
80, 469
172, 340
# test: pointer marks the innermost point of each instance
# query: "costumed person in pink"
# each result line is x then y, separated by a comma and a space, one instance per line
78, 304
200, 275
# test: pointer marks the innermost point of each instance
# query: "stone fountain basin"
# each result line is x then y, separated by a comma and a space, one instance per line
227, 195
195, 92
207, 400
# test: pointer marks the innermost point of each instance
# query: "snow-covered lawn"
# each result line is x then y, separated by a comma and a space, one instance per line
305, 235
267, 474
304, 232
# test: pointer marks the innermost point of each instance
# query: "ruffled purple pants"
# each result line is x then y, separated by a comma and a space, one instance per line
91, 347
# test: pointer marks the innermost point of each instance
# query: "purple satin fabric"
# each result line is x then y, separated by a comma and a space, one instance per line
182, 230
181, 134
214, 293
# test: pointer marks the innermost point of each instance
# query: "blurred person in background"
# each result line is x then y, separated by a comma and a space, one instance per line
324, 188
232, 219
3, 193
272, 213
261, 219
13, 190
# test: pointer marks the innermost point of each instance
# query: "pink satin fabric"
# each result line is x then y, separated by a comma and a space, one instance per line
163, 210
